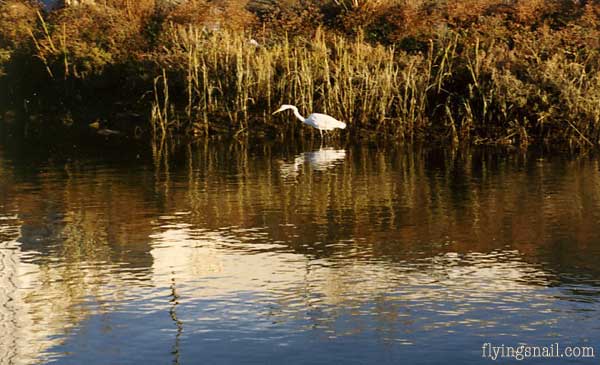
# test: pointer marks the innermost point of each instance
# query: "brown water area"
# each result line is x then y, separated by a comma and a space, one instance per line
229, 252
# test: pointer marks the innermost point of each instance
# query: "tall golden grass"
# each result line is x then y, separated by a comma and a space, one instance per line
483, 71
368, 86
463, 87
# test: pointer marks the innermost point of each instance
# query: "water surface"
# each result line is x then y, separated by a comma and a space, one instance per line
269, 253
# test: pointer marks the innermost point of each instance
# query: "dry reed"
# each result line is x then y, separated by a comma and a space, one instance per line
507, 73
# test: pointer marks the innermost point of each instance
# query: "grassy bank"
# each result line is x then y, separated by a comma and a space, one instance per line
476, 71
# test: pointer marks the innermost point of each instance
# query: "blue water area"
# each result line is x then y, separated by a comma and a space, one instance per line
235, 253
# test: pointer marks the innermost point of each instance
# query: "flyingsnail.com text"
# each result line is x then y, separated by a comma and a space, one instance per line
521, 352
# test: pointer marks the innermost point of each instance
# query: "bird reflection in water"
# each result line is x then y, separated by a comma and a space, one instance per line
319, 160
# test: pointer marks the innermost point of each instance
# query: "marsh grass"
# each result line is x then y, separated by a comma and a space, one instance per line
368, 86
463, 88
481, 71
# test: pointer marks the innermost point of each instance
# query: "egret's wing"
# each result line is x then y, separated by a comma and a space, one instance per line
324, 121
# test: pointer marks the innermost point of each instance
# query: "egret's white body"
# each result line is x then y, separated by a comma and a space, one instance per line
322, 122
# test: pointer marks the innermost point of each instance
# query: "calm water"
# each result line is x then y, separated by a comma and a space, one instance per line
239, 254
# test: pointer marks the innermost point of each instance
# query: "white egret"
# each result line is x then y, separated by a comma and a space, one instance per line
322, 122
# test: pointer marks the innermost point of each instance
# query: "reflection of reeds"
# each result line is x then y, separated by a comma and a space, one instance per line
411, 204
373, 205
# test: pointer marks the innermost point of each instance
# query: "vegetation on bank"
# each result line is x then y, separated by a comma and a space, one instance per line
482, 71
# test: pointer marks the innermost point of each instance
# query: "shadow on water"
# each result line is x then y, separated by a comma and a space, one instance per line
245, 252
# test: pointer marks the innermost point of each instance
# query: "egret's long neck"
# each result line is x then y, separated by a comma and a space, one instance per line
297, 114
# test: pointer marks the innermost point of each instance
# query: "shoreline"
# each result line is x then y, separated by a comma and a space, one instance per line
499, 79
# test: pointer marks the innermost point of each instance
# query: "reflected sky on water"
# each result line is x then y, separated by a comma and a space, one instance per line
235, 253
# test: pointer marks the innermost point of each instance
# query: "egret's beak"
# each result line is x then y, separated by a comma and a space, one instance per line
276, 111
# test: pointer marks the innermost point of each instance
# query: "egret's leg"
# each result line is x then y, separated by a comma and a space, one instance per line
321, 131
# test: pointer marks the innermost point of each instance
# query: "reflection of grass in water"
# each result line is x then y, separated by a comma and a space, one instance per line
179, 324
407, 196
378, 206
390, 195
381, 195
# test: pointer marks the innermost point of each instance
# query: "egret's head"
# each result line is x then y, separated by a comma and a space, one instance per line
284, 107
